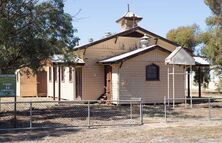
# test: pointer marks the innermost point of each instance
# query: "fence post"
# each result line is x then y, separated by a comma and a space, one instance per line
15, 110
131, 111
185, 102
165, 109
30, 113
141, 111
88, 114
191, 102
209, 109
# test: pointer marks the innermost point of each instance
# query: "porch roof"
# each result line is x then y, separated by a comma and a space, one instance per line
201, 61
131, 54
180, 57
60, 59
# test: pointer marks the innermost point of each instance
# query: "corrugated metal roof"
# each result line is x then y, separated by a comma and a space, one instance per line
125, 55
201, 61
130, 15
62, 59
124, 33
180, 57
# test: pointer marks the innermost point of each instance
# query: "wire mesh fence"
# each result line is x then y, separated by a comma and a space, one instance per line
41, 114
193, 109
127, 113
153, 112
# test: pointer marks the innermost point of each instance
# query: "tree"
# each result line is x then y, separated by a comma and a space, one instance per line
186, 36
215, 6
212, 38
203, 75
32, 31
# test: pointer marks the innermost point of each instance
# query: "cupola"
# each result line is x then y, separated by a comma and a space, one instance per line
128, 20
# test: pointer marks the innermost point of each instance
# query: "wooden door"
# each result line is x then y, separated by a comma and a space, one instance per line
42, 83
78, 83
108, 81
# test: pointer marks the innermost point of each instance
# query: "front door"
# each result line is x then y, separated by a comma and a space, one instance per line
108, 81
78, 83
42, 83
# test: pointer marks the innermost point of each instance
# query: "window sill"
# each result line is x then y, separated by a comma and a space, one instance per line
152, 79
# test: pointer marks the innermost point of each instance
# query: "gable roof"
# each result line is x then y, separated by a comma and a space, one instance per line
131, 54
180, 57
134, 30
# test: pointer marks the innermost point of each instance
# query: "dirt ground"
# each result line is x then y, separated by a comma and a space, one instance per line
175, 132
184, 126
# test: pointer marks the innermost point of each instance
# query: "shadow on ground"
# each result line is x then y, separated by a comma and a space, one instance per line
62, 115
31, 135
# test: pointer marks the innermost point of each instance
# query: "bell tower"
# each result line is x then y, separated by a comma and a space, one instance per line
128, 20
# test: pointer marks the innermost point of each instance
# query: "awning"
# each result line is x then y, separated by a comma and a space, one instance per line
180, 57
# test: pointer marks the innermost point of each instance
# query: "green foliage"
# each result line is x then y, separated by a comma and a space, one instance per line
212, 38
31, 31
204, 76
213, 45
214, 21
215, 6
186, 36
189, 37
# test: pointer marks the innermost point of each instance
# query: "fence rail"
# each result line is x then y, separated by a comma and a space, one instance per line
206, 108
89, 113
85, 113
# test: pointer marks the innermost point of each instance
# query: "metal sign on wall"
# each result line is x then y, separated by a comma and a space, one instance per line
7, 85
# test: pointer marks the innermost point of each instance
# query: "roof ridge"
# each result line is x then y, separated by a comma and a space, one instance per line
130, 54
122, 33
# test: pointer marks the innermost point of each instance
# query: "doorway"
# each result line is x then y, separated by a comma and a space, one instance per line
42, 83
108, 81
78, 83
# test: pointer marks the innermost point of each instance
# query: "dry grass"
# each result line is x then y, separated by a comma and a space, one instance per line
185, 126
179, 132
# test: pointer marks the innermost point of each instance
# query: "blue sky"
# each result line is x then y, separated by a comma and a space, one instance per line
159, 16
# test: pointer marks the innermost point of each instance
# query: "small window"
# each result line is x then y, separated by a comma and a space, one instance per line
62, 74
70, 74
50, 74
152, 72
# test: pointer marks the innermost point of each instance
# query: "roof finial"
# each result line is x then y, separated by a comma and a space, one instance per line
128, 6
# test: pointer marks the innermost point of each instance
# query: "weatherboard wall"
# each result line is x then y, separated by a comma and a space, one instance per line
132, 81
28, 85
67, 87
93, 73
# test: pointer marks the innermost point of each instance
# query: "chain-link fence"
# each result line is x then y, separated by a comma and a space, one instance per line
193, 109
41, 114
